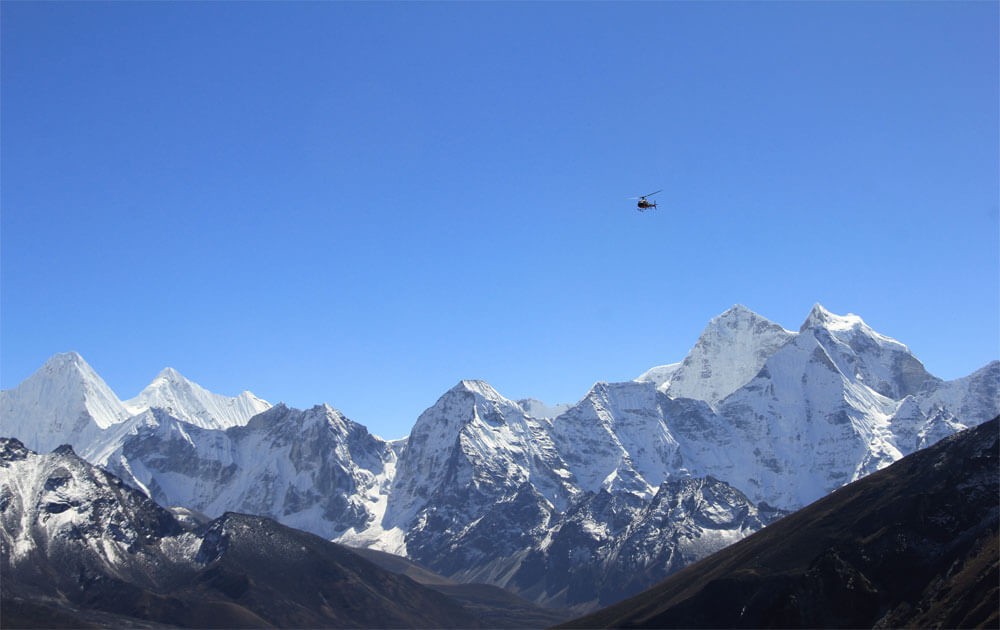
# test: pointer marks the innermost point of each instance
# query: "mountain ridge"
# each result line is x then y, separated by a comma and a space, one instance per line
493, 489
66, 400
190, 402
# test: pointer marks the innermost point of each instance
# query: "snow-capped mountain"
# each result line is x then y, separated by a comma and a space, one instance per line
826, 406
863, 355
314, 470
616, 439
809, 411
64, 402
729, 352
192, 403
485, 492
516, 492
67, 402
805, 428
471, 450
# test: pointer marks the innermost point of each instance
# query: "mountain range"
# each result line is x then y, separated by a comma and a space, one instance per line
572, 506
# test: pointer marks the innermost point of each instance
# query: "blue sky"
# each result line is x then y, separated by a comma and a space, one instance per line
363, 203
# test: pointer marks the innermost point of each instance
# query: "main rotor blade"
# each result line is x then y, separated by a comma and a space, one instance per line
653, 193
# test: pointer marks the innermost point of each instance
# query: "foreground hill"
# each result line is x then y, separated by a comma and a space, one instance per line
913, 545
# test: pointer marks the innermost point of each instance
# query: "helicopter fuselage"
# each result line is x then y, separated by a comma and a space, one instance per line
644, 202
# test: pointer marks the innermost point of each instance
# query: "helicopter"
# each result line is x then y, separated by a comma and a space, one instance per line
644, 203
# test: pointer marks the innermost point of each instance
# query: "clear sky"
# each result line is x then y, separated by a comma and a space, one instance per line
363, 203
